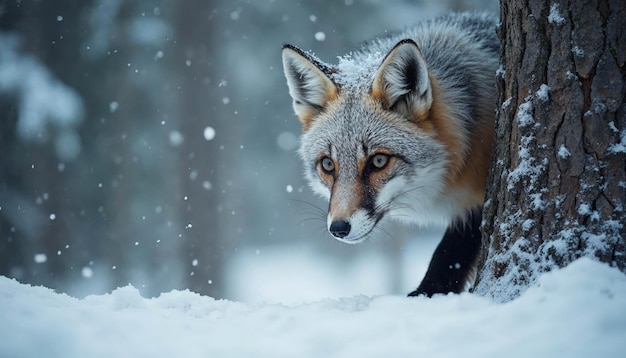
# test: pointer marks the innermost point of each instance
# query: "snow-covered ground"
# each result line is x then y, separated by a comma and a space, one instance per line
297, 273
579, 311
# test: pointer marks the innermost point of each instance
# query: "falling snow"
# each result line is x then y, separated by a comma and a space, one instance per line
87, 272
182, 323
287, 141
176, 138
209, 133
113, 106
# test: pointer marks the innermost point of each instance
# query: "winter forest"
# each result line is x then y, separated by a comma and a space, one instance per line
150, 183
153, 143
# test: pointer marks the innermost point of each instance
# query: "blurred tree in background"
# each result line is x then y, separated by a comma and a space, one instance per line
147, 141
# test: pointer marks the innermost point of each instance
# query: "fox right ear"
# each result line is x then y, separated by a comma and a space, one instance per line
309, 83
402, 80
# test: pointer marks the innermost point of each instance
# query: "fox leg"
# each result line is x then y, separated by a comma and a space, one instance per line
453, 265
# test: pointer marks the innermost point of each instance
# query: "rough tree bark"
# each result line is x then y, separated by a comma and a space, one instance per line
557, 188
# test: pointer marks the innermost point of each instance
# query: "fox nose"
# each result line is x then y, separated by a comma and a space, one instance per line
339, 228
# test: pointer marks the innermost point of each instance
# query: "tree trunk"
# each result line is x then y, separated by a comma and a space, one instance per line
195, 62
557, 187
35, 208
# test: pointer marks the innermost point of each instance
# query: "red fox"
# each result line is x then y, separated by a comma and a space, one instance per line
403, 129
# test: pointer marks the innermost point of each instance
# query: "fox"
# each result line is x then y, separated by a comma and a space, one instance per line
403, 129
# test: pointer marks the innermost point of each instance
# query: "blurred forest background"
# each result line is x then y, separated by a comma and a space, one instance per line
152, 143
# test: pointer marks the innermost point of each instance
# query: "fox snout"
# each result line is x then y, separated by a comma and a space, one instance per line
353, 189
353, 228
339, 228
350, 231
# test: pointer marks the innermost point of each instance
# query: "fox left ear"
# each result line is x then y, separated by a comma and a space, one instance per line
309, 83
402, 81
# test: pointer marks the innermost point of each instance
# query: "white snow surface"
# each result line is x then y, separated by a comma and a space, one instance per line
578, 311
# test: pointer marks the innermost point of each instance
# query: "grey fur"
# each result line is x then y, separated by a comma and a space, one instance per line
371, 104
461, 53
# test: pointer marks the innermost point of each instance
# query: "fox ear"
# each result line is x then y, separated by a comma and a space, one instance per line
309, 83
402, 82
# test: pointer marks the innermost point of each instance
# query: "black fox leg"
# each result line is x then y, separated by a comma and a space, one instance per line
454, 260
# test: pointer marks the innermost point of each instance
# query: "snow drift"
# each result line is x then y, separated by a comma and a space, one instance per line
578, 311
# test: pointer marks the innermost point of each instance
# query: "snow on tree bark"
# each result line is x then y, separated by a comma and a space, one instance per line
557, 187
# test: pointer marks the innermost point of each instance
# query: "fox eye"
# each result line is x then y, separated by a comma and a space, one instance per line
328, 165
379, 161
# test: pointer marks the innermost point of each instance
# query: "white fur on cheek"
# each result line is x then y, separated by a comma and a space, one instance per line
418, 199
320, 189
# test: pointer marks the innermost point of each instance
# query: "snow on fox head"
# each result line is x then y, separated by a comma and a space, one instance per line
375, 140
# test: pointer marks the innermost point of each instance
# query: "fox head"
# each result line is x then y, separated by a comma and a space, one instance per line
375, 141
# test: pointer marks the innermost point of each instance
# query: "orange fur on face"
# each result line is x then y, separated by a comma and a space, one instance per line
463, 173
377, 93
376, 179
309, 116
328, 179
306, 118
340, 209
